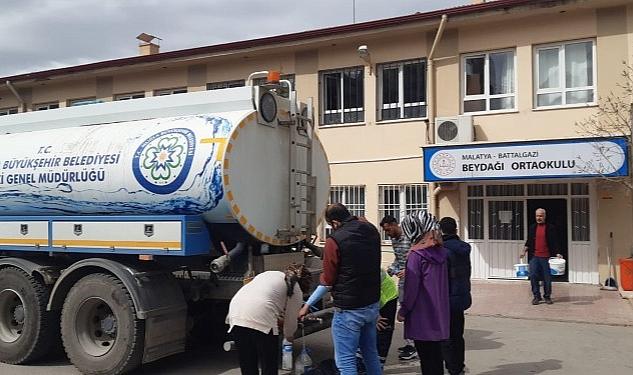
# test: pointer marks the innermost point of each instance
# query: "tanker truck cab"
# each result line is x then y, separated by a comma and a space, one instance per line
128, 226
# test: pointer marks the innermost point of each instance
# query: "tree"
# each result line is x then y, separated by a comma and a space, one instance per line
613, 118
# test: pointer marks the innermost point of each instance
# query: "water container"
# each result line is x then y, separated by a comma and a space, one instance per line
557, 266
521, 270
303, 362
286, 355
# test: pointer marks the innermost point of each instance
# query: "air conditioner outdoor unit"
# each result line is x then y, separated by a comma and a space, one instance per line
457, 129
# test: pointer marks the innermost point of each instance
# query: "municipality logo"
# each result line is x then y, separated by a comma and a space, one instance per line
162, 162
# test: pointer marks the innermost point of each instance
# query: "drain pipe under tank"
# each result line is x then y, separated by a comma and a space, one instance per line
431, 100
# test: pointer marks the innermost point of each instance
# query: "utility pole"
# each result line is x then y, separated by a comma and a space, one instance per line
353, 11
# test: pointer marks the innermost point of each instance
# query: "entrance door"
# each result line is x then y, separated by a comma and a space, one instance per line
506, 228
557, 215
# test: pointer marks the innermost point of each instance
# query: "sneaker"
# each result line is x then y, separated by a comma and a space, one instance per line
409, 353
403, 348
536, 301
548, 301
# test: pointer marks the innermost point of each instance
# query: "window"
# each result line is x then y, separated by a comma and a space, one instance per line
504, 190
352, 196
402, 90
505, 220
225, 84
342, 96
580, 217
476, 219
400, 200
162, 92
83, 101
475, 212
565, 74
8, 111
489, 82
547, 189
45, 106
130, 96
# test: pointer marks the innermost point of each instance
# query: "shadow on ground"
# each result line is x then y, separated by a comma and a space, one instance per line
525, 368
480, 340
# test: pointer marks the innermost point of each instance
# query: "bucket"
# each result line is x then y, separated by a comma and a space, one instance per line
626, 274
557, 266
521, 270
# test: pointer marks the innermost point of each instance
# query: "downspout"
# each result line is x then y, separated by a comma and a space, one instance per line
431, 100
16, 94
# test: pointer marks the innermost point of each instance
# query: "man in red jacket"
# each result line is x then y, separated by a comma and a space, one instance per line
542, 242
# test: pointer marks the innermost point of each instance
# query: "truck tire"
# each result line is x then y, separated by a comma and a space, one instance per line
100, 330
27, 330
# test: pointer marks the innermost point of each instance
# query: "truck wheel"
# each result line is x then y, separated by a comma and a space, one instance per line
100, 330
27, 330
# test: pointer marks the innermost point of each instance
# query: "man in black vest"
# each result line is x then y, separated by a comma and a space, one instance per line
459, 269
351, 270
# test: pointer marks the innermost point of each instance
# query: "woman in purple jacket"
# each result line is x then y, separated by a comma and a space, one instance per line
425, 306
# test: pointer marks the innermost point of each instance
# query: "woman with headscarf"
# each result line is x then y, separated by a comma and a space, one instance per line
268, 302
425, 305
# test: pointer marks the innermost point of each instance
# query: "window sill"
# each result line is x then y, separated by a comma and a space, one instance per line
330, 126
488, 113
566, 106
401, 120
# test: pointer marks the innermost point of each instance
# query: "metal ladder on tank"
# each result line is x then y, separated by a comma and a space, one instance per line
302, 189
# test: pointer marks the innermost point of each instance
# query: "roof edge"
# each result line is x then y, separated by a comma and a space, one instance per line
272, 40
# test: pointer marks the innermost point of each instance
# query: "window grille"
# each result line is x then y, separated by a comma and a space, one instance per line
579, 189
505, 220
342, 96
352, 196
476, 219
225, 84
580, 219
163, 92
45, 106
475, 190
129, 96
399, 200
547, 189
8, 111
504, 190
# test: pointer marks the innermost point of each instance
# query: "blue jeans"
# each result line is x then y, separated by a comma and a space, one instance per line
352, 329
539, 270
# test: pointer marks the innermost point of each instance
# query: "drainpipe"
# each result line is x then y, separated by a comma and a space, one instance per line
431, 99
16, 94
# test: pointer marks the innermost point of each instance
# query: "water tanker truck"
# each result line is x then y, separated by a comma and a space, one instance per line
127, 226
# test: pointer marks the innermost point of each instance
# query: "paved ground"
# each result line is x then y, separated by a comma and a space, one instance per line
572, 303
505, 335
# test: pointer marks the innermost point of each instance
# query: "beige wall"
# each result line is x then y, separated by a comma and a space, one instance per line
374, 153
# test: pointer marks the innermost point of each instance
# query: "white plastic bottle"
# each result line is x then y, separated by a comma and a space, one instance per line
303, 362
286, 355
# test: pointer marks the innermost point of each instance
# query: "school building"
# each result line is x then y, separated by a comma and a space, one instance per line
469, 112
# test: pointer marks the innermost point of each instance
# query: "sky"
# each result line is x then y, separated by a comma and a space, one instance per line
39, 35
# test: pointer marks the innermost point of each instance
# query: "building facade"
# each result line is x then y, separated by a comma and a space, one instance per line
505, 72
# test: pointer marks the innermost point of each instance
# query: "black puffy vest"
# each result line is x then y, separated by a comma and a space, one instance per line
358, 279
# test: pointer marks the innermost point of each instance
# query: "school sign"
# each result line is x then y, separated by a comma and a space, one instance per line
568, 158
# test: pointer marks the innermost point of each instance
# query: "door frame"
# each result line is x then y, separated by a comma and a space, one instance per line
480, 252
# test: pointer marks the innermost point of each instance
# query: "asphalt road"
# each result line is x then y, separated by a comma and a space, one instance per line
495, 346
